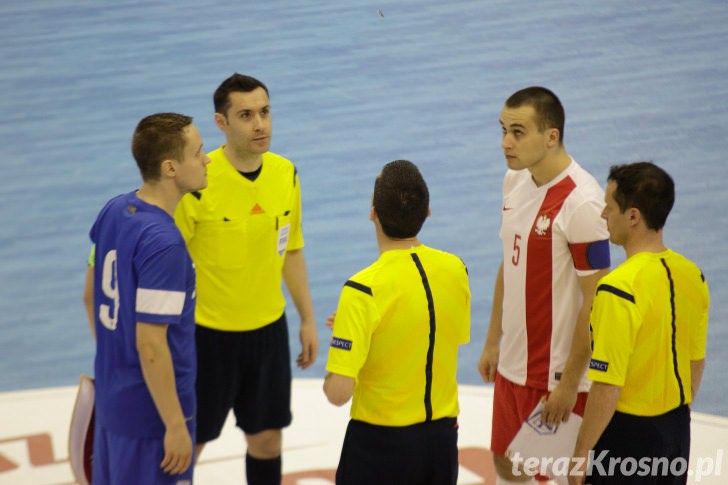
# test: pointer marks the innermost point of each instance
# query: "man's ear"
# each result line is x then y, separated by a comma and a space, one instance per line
635, 216
429, 212
221, 122
167, 168
553, 137
372, 214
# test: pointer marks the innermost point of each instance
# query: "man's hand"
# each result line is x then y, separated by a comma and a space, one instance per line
558, 405
330, 320
489, 362
309, 345
177, 450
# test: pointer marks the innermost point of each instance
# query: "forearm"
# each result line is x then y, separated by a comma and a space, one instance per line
495, 328
158, 371
296, 279
580, 350
88, 300
294, 274
488, 363
338, 388
579, 353
599, 410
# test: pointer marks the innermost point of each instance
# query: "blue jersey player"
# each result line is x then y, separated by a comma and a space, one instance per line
140, 292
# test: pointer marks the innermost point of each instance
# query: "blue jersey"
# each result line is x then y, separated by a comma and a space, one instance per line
142, 273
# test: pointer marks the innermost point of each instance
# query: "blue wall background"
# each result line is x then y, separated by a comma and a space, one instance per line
351, 90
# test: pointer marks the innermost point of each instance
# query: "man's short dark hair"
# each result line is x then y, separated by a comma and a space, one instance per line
157, 138
237, 83
401, 199
644, 186
548, 107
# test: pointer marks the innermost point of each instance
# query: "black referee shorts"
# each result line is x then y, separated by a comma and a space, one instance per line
248, 372
425, 453
644, 450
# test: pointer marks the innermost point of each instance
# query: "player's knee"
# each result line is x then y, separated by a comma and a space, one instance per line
265, 445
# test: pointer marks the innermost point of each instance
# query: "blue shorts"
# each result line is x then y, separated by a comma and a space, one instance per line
121, 460
248, 372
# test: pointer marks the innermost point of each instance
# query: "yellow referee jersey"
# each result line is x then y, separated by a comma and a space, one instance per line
649, 320
238, 232
398, 326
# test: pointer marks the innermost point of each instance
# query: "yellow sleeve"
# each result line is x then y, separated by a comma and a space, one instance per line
356, 319
465, 333
615, 321
92, 255
295, 238
186, 215
699, 331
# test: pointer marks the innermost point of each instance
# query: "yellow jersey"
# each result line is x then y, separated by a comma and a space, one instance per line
238, 232
649, 320
398, 326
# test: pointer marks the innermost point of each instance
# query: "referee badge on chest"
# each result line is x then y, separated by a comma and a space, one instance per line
283, 233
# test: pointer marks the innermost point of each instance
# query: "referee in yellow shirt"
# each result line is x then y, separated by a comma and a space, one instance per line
394, 348
244, 234
649, 328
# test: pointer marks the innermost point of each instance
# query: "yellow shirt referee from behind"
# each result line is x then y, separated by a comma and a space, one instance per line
398, 327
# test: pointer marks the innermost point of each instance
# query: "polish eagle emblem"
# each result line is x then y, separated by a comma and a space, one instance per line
542, 225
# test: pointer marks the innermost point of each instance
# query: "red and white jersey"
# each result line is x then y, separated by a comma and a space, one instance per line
551, 235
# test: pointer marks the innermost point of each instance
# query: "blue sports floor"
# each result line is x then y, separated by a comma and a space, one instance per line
351, 90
